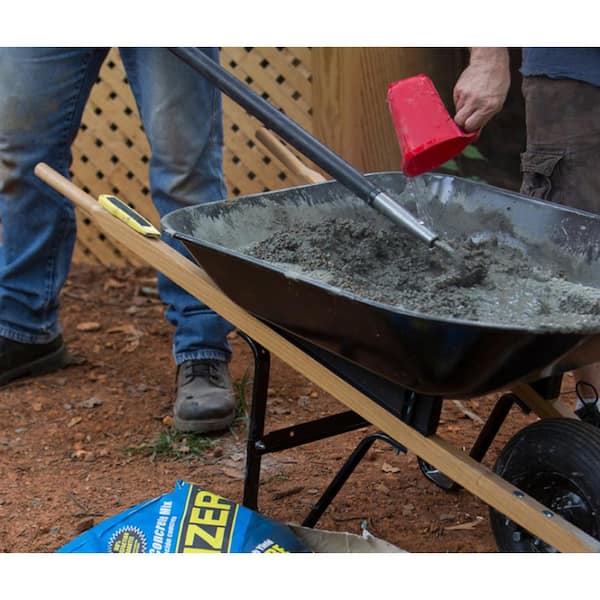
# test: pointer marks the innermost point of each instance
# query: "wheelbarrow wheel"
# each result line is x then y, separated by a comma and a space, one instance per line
556, 462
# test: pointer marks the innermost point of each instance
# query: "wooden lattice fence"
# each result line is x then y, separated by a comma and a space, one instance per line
111, 153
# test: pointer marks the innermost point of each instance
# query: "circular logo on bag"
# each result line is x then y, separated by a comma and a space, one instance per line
127, 540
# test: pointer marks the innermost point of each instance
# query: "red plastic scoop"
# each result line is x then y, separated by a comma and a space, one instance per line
427, 134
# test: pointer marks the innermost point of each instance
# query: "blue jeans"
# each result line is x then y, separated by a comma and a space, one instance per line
43, 92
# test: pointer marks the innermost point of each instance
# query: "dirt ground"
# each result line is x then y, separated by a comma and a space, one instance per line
85, 443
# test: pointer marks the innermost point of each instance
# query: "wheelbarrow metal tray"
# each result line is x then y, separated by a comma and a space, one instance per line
425, 353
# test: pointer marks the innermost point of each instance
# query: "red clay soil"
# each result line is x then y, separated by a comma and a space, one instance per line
83, 444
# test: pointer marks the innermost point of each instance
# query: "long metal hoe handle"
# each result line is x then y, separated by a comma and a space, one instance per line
303, 141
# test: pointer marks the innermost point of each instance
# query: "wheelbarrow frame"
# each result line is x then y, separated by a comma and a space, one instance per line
435, 450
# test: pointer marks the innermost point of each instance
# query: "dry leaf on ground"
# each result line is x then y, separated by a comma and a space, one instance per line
88, 326
387, 468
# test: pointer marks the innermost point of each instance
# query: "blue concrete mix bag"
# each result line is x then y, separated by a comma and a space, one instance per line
189, 519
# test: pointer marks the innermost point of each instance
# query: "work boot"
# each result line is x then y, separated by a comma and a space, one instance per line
19, 360
205, 399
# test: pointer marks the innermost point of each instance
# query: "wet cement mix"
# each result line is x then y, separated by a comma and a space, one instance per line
489, 282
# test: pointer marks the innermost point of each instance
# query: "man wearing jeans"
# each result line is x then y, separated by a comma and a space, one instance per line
561, 87
43, 92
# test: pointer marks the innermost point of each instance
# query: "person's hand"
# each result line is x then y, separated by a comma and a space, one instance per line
481, 89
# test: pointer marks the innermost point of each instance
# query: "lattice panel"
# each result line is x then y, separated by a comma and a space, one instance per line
281, 76
111, 153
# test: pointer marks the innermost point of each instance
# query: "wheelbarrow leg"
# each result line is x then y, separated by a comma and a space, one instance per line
344, 473
546, 389
256, 425
480, 446
492, 426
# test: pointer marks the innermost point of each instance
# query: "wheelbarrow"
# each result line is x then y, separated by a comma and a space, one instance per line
374, 345
378, 394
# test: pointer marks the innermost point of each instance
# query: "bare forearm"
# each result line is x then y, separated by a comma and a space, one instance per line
482, 88
490, 55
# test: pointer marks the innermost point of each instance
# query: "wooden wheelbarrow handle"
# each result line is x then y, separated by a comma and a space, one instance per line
451, 461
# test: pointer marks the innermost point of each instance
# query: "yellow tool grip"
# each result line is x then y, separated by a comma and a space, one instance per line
128, 215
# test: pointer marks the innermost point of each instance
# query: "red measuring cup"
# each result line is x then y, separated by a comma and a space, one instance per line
427, 134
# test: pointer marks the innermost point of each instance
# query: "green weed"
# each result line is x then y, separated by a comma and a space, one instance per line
241, 387
171, 443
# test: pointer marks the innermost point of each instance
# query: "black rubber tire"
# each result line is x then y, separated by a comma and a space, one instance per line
557, 462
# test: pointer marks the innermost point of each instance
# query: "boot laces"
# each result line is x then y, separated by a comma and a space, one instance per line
205, 369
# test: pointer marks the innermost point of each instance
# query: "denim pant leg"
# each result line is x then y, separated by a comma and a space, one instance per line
42, 95
182, 116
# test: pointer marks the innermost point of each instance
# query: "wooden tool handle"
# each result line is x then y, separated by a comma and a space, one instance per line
287, 157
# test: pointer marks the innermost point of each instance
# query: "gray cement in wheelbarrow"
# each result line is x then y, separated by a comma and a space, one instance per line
522, 263
496, 279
